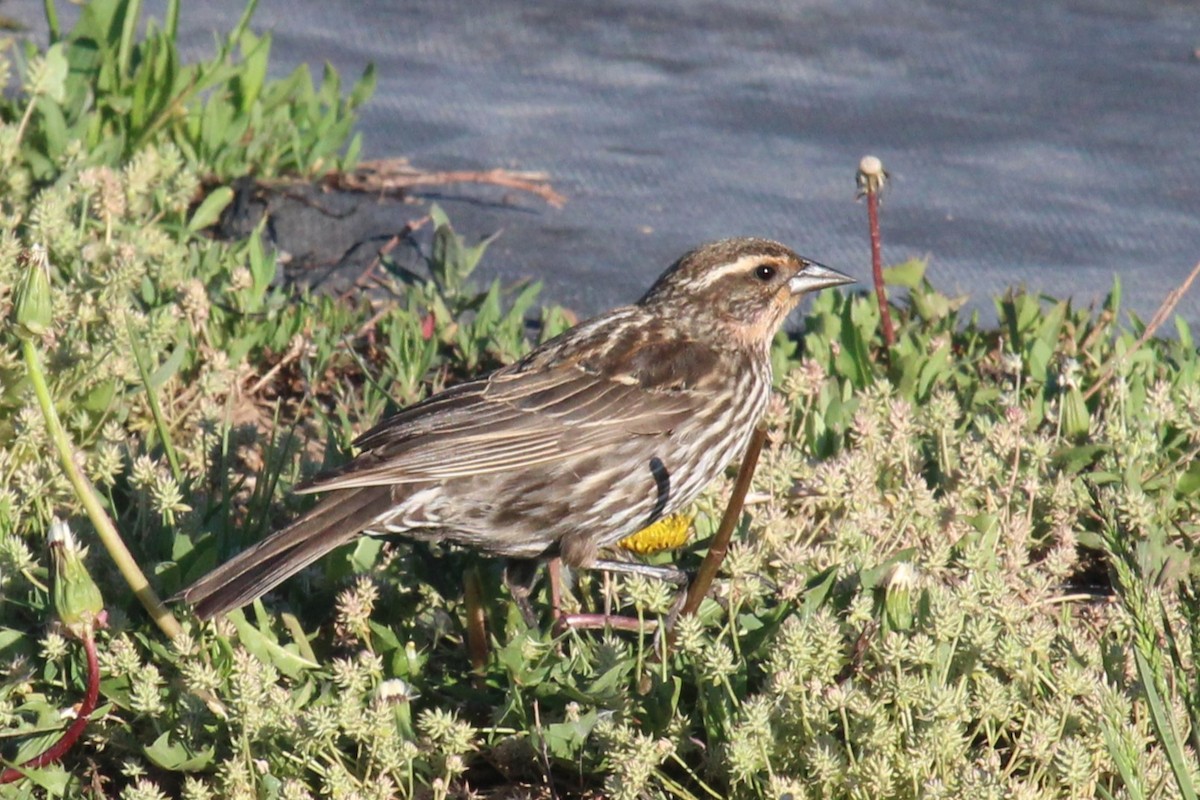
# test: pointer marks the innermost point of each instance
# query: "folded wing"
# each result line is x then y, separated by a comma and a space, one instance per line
513, 419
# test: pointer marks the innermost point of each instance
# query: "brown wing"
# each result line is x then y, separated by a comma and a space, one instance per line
537, 411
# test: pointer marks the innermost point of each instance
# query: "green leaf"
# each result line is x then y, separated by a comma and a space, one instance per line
1028, 311
566, 740
248, 82
1051, 327
818, 589
101, 396
296, 630
262, 267
52, 80
350, 160
1037, 359
10, 637
1112, 303
53, 778
365, 554
1075, 417
1189, 481
611, 681
385, 638
168, 368
211, 208
265, 649
452, 261
933, 369
1073, 459
1184, 331
363, 88
177, 756
908, 274
985, 523
54, 127
1164, 728
870, 578
933, 306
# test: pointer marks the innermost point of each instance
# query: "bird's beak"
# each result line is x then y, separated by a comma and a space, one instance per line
816, 276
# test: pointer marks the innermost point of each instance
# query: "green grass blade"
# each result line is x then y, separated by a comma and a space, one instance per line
160, 424
1163, 728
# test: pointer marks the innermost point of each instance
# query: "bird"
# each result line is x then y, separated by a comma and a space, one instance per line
595, 434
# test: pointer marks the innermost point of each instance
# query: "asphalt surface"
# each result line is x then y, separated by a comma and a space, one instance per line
1045, 142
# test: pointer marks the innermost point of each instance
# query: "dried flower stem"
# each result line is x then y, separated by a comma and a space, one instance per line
554, 578
1160, 316
476, 622
25, 120
294, 351
733, 512
544, 751
75, 729
870, 182
885, 315
87, 495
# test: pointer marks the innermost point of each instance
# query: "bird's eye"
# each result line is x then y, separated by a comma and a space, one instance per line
764, 272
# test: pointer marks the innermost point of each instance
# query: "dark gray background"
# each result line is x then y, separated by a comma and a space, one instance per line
1047, 142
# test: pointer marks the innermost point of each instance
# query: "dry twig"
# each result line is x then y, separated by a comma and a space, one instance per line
1160, 316
733, 512
410, 227
389, 175
294, 351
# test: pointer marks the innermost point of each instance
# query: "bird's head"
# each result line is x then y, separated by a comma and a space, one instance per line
746, 287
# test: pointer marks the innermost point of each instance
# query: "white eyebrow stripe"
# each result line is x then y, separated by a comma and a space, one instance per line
741, 265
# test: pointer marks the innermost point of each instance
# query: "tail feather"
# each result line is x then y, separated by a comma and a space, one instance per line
334, 521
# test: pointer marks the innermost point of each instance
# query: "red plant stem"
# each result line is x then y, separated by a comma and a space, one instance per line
885, 316
75, 730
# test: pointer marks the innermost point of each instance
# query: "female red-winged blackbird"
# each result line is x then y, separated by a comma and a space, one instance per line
594, 435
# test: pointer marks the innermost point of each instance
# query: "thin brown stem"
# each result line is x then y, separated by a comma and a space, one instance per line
410, 227
476, 622
1160, 316
885, 314
396, 175
871, 179
733, 512
554, 576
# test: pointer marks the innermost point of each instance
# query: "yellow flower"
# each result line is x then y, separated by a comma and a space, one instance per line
668, 532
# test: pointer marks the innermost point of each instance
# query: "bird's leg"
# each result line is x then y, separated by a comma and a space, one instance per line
607, 619
667, 574
582, 622
519, 575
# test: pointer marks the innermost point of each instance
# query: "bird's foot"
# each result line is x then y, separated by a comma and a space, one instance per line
667, 574
584, 622
519, 576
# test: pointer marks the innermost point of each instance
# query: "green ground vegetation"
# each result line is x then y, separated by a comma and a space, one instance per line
967, 569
